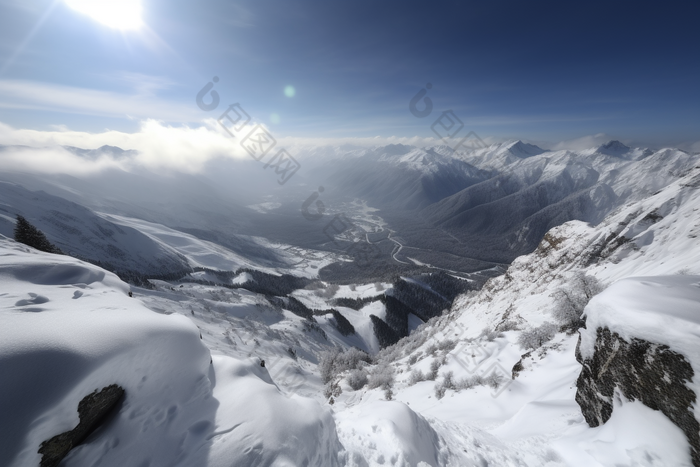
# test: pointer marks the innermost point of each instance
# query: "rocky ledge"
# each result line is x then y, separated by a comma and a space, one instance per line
650, 373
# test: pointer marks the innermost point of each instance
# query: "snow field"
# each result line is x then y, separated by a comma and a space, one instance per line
70, 328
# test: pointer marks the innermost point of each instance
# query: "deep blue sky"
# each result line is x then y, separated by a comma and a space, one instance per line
536, 70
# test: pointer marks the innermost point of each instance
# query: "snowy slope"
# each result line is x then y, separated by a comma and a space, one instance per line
533, 419
656, 236
69, 328
80, 232
203, 253
508, 214
499, 156
58, 313
127, 244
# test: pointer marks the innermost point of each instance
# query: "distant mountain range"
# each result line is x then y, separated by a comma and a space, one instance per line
471, 208
501, 200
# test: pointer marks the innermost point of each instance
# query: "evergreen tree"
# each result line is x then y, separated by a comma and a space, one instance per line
397, 316
385, 335
344, 326
29, 235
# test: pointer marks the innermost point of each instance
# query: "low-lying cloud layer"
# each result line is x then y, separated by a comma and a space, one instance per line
159, 146
155, 145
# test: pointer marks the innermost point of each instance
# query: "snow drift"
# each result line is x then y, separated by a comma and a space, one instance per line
69, 328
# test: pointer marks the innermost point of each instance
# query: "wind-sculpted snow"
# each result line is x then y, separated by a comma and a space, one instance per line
663, 310
388, 433
179, 409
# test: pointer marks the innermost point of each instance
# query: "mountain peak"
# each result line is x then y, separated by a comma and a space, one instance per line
113, 151
614, 148
523, 150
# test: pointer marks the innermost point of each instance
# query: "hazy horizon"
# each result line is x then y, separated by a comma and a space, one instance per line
345, 72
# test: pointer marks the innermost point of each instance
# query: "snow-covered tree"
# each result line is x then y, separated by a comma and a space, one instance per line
571, 299
357, 379
335, 361
344, 326
535, 338
382, 376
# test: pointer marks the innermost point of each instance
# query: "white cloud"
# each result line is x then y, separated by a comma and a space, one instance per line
297, 143
33, 95
594, 141
144, 85
181, 148
690, 146
158, 146
53, 160
585, 142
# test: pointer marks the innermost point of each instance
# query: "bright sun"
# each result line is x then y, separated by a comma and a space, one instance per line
117, 14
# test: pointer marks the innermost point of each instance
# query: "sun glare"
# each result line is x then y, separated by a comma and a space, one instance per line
117, 14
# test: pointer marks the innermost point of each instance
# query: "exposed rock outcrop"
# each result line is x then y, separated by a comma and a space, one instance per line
640, 370
524, 363
93, 410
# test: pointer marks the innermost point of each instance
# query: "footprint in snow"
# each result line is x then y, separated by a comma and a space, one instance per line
77, 294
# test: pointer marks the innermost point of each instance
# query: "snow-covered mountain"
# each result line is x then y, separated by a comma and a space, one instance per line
537, 193
69, 329
535, 409
498, 156
499, 201
81, 233
500, 378
399, 177
445, 208
134, 247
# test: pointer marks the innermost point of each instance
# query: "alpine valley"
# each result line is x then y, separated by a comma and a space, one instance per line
393, 305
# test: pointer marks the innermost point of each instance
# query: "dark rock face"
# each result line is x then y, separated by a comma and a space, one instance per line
93, 409
521, 364
640, 370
